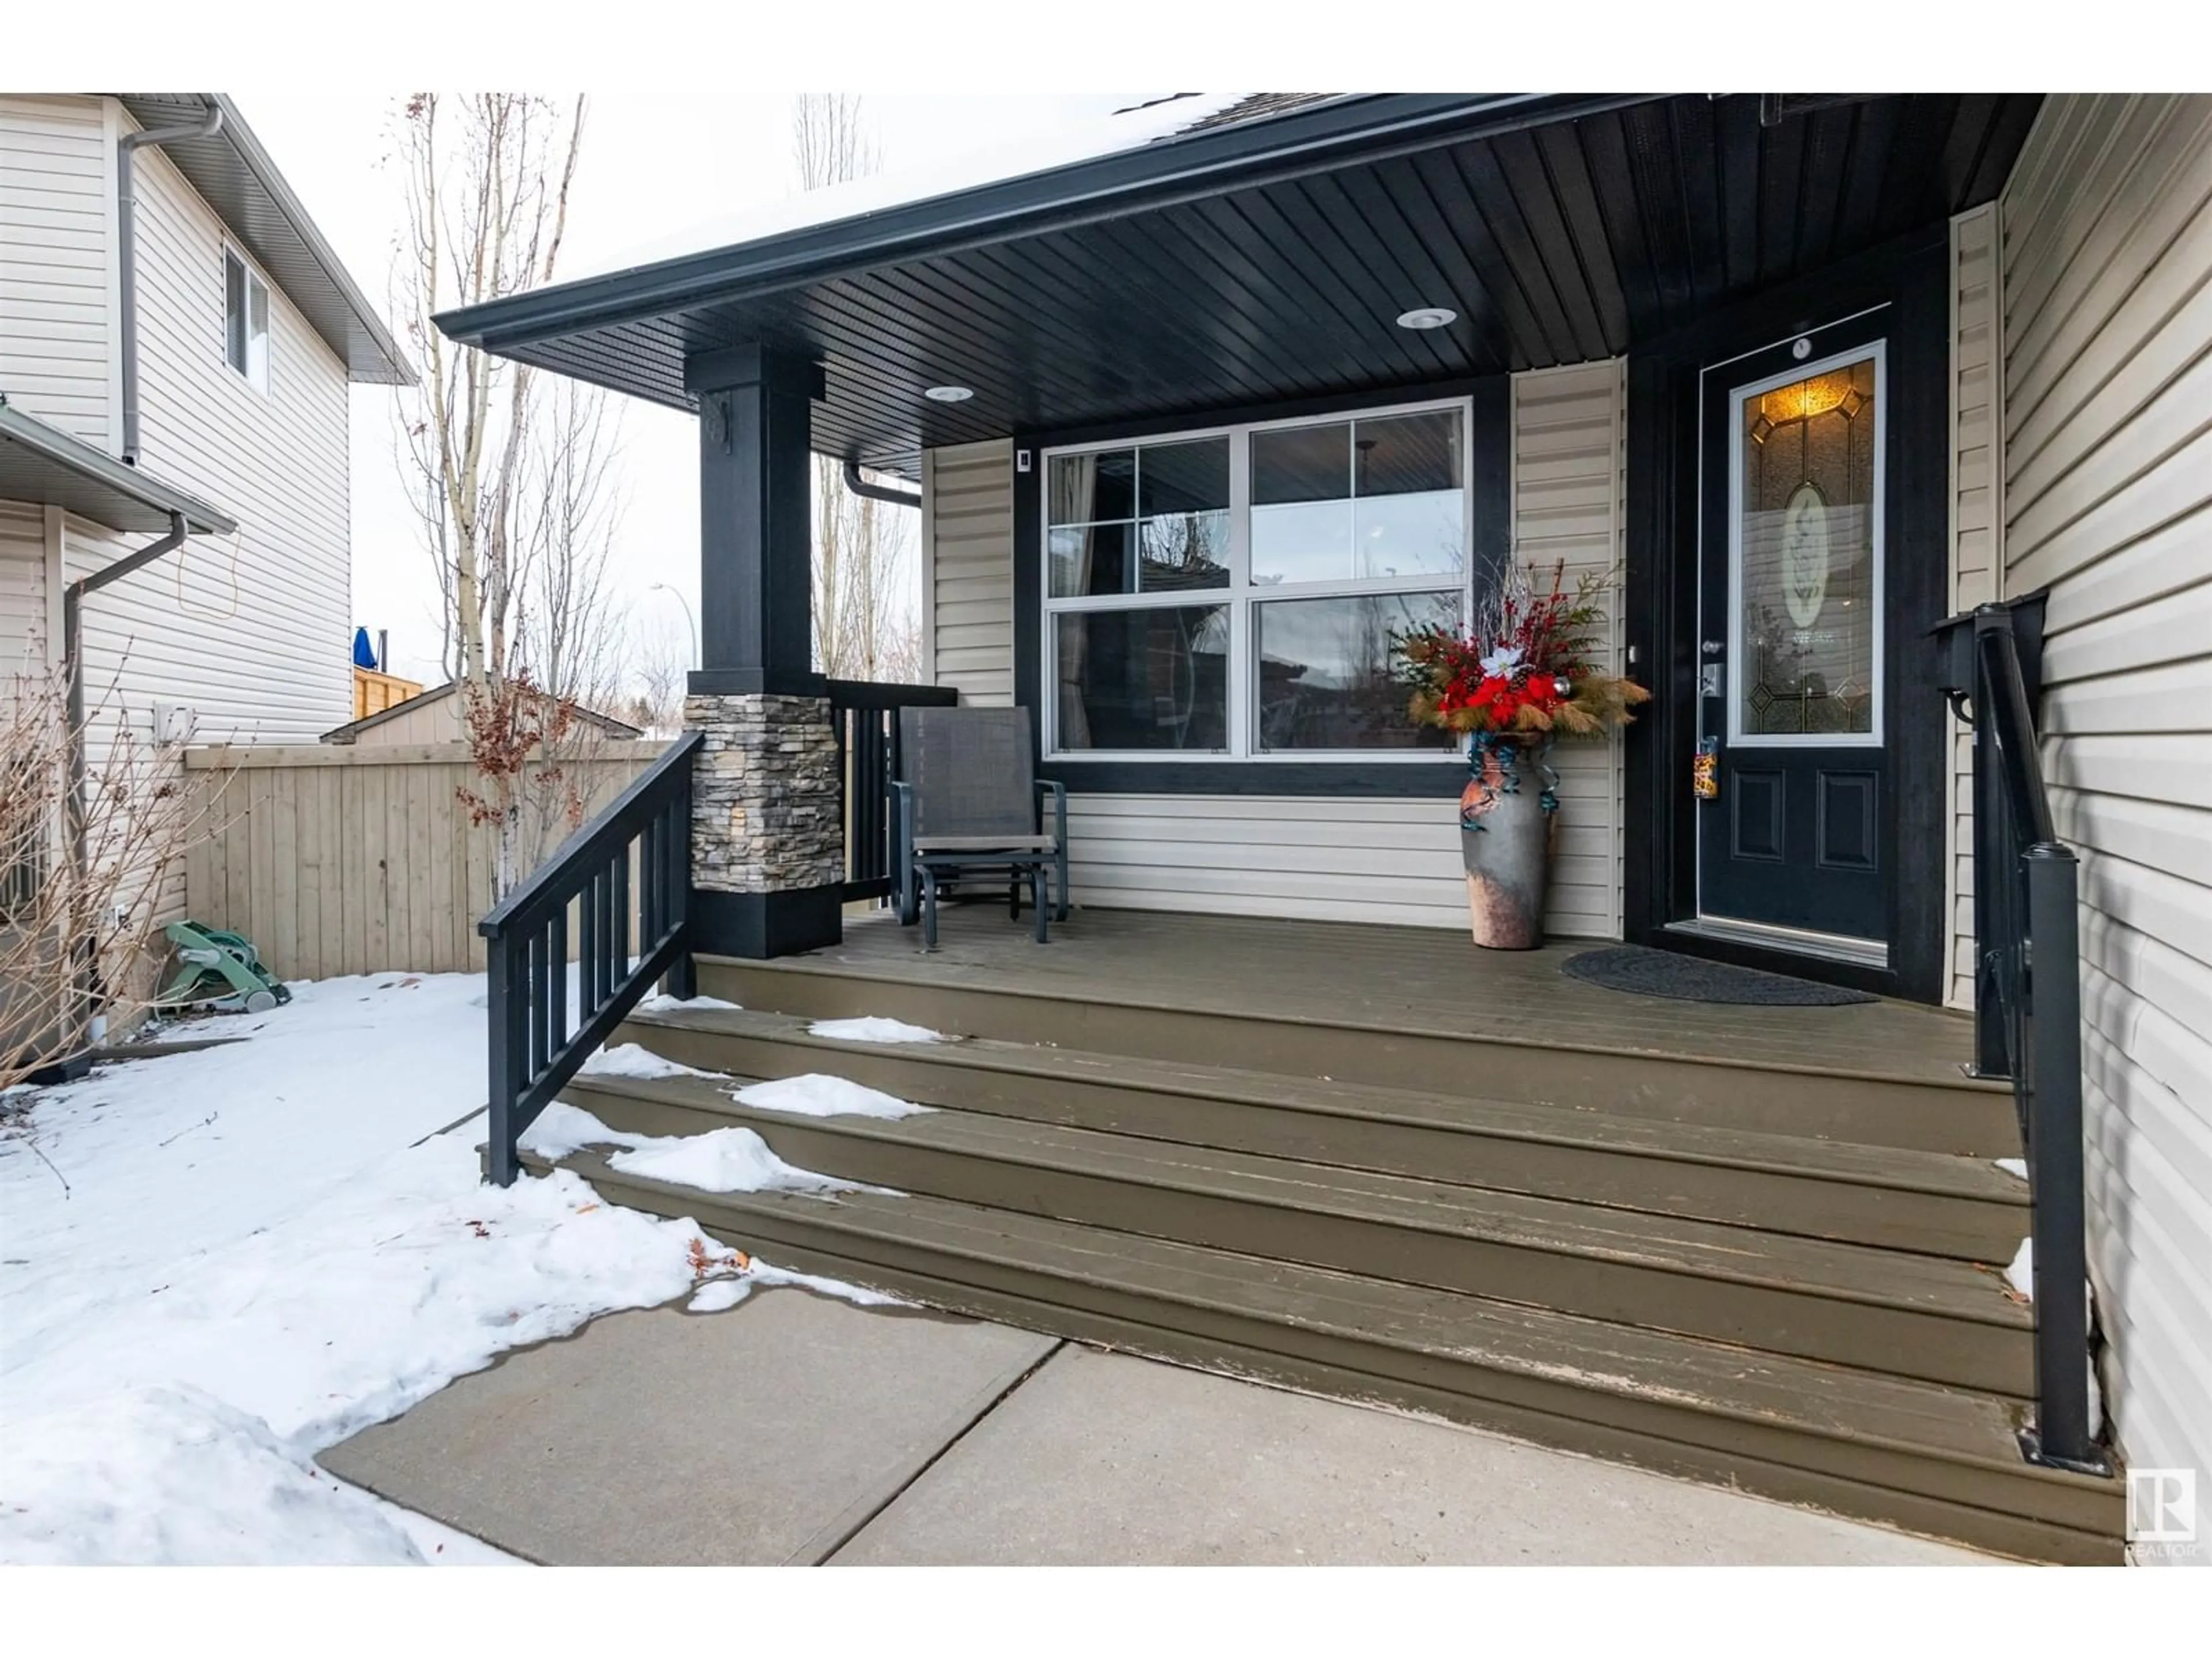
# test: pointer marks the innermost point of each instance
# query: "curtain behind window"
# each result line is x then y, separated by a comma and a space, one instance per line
1074, 486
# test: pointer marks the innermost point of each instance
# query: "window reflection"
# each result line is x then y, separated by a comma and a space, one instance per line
1325, 679
1359, 500
1155, 678
1147, 519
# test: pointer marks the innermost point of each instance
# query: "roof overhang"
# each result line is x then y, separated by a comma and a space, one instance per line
239, 181
43, 464
1268, 261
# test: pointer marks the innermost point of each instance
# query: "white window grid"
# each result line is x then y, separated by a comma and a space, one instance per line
1241, 594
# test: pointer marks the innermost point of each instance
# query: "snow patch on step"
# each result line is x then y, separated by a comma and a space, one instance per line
816, 1094
875, 1028
634, 1059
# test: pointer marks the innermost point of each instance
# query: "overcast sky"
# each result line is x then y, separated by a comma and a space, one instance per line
652, 165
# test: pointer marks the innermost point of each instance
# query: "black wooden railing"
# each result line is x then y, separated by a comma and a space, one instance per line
2028, 1007
537, 1041
865, 715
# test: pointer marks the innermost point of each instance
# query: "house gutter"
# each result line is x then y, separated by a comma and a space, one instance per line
73, 659
126, 253
876, 492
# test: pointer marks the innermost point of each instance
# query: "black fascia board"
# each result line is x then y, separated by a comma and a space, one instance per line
1156, 174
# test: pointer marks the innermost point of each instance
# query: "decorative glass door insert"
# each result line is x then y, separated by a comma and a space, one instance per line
1805, 556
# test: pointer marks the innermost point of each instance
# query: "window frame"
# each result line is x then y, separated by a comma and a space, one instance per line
253, 280
1240, 596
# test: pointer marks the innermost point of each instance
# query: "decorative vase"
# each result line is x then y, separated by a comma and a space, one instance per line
1505, 818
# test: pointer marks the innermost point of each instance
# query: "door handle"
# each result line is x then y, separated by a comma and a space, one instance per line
1713, 648
1709, 680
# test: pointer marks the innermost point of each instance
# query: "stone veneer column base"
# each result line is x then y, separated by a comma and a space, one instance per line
768, 842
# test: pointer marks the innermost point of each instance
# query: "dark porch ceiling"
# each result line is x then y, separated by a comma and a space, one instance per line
1560, 229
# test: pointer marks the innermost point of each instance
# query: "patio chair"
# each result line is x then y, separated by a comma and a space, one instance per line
968, 799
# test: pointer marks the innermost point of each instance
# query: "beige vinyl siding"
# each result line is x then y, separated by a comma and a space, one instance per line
22, 589
56, 199
250, 632
2107, 456
968, 541
1376, 859
1974, 451
1325, 858
1570, 501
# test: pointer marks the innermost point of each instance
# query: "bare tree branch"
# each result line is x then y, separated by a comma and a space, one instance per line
78, 935
865, 623
510, 479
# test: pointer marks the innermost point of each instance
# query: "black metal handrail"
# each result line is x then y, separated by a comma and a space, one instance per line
865, 715
535, 1046
2028, 1021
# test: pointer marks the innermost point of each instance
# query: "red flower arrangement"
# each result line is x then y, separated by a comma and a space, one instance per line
1529, 664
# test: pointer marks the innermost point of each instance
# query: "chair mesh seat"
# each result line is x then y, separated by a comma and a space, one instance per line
985, 843
966, 800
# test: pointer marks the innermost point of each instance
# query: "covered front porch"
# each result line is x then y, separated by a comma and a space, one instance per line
1201, 425
1286, 327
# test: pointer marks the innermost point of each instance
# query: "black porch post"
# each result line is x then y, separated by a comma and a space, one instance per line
768, 848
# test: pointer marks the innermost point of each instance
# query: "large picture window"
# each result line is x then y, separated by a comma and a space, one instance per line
1237, 593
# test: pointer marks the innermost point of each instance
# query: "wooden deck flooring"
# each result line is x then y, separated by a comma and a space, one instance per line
1384, 978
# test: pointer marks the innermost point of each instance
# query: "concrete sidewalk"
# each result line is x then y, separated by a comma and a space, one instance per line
795, 1430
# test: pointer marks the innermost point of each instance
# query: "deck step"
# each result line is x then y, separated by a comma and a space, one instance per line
1931, 1459
1891, 1311
1578, 1064
1930, 1203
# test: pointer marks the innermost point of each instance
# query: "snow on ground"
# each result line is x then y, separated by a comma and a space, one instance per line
214, 1264
874, 1028
661, 1003
151, 1162
173, 1475
728, 1292
2012, 1166
817, 1094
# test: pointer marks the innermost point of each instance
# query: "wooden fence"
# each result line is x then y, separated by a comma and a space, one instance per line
353, 860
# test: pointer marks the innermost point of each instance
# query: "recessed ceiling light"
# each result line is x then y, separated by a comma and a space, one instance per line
1427, 317
948, 394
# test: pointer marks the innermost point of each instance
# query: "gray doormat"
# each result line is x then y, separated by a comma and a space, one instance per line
1648, 973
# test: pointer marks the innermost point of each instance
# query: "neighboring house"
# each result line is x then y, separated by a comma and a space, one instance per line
1970, 335
228, 418
434, 716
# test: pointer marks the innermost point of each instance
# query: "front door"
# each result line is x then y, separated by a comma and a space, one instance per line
1792, 822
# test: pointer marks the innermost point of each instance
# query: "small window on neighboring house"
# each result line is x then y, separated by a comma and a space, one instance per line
23, 844
246, 321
